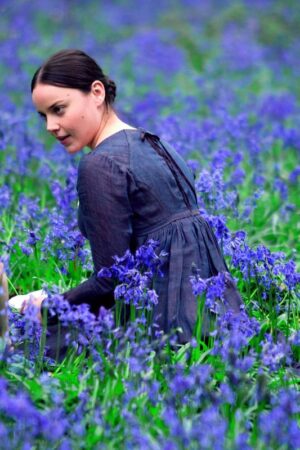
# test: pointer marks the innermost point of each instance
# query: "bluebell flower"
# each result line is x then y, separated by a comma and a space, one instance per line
213, 429
295, 339
281, 186
26, 250
193, 165
227, 394
275, 354
33, 237
28, 422
5, 197
241, 52
278, 427
237, 177
213, 288
278, 107
294, 175
259, 180
134, 273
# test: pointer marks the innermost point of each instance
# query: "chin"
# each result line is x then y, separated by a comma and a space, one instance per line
73, 149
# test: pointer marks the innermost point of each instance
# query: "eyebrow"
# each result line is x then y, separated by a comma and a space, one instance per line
51, 107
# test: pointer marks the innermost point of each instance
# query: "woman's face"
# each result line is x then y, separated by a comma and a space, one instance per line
72, 116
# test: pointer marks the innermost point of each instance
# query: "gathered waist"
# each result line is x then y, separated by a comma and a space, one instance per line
142, 231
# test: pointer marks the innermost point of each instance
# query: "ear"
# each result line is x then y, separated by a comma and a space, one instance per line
98, 92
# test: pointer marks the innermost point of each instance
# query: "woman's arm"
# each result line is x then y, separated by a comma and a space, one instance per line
107, 218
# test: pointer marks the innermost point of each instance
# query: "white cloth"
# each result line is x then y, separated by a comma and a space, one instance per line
18, 301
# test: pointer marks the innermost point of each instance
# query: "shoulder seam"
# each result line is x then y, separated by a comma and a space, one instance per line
129, 150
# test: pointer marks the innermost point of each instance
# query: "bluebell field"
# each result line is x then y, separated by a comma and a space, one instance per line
220, 81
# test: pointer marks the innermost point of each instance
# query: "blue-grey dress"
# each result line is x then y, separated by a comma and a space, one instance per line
127, 195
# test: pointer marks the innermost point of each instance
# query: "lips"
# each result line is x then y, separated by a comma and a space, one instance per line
63, 139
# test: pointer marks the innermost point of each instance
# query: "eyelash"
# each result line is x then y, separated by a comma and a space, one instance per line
57, 110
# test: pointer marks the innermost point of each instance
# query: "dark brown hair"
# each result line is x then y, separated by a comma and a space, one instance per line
73, 69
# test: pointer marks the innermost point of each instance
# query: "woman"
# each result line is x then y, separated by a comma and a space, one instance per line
131, 186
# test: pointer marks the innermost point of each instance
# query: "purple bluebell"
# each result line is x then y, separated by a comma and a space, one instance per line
275, 355
294, 175
134, 274
278, 107
213, 288
278, 426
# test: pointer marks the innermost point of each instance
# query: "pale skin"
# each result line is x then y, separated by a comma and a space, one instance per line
77, 120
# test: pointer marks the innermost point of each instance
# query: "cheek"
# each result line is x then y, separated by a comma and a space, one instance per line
82, 122
84, 117
88, 121
77, 122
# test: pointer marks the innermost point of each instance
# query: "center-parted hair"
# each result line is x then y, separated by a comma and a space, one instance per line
76, 70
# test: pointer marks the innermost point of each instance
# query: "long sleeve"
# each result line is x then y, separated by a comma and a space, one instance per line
106, 217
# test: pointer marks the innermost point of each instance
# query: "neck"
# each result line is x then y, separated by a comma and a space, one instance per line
110, 124
107, 118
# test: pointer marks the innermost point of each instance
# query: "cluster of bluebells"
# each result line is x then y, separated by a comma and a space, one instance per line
179, 387
73, 327
213, 288
238, 125
81, 327
213, 194
270, 270
278, 426
275, 354
62, 242
233, 333
24, 424
134, 274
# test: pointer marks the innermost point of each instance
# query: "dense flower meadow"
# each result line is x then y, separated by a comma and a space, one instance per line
220, 81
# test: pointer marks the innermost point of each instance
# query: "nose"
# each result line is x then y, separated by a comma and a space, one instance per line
52, 125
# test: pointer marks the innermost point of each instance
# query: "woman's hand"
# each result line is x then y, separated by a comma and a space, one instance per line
22, 302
